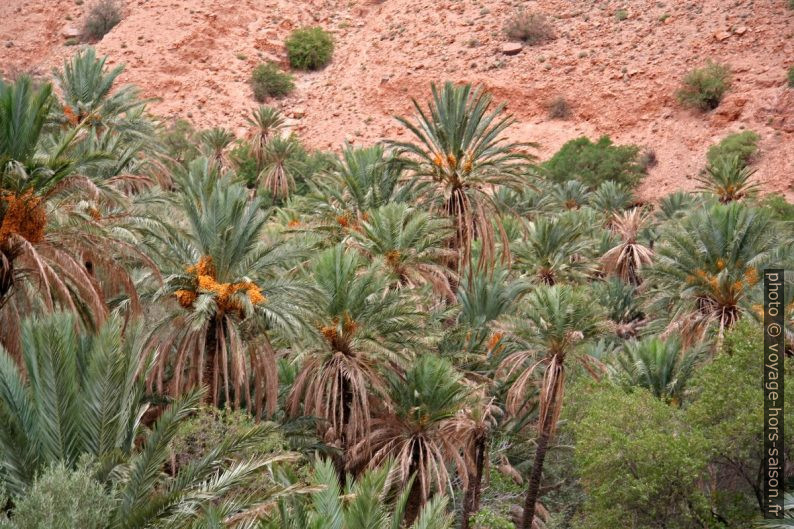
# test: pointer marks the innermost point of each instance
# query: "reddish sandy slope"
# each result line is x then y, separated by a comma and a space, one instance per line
620, 76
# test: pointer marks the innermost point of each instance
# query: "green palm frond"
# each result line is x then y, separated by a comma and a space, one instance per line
728, 178
79, 396
411, 243
662, 366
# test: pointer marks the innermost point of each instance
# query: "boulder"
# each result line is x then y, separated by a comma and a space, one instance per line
512, 48
70, 32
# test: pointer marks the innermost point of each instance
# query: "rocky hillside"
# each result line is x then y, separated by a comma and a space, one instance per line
618, 71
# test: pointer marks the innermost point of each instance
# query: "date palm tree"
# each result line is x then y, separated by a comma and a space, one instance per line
424, 431
214, 144
222, 271
361, 180
728, 178
51, 216
144, 496
266, 124
662, 366
555, 249
461, 155
484, 299
90, 97
279, 166
81, 395
555, 320
629, 256
364, 329
708, 266
412, 244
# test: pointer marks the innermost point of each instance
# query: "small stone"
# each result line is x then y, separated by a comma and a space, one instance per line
741, 30
298, 112
512, 48
70, 32
722, 35
384, 80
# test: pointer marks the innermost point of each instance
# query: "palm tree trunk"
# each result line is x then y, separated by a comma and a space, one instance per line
535, 477
481, 454
211, 362
471, 500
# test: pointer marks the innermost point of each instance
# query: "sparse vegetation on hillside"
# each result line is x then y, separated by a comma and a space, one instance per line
309, 48
268, 80
705, 87
101, 18
526, 26
791, 77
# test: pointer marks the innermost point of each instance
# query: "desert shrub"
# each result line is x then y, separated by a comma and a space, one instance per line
268, 80
532, 28
781, 208
647, 159
245, 164
309, 48
61, 498
595, 163
621, 14
705, 87
179, 139
741, 144
791, 75
101, 18
559, 108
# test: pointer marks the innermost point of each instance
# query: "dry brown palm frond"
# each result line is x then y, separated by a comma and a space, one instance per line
552, 391
336, 388
423, 454
509, 470
627, 258
516, 401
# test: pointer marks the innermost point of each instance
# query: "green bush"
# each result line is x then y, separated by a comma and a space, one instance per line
309, 48
103, 16
705, 87
781, 209
268, 80
61, 498
179, 139
645, 461
209, 426
727, 409
639, 461
791, 74
741, 144
595, 163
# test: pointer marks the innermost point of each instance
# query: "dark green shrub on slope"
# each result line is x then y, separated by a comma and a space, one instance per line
309, 48
595, 163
